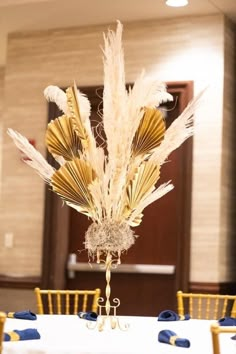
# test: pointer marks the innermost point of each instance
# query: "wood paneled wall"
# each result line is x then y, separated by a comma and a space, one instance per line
191, 48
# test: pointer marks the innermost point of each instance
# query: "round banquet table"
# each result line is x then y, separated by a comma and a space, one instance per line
68, 334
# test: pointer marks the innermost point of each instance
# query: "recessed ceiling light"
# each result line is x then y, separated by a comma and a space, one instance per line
176, 3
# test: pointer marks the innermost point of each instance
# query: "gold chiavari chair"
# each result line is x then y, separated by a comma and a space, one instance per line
66, 301
206, 306
216, 330
2, 322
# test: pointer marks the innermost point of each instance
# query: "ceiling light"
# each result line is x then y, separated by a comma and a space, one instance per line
176, 3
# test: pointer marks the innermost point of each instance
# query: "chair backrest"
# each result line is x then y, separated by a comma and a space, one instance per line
206, 306
66, 301
216, 330
2, 322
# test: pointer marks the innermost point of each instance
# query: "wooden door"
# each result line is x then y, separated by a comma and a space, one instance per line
161, 252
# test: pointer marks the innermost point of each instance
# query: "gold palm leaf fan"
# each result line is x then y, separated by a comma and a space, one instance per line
142, 184
73, 106
71, 183
148, 137
61, 138
150, 132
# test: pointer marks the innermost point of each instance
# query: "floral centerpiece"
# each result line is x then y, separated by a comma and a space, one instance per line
112, 183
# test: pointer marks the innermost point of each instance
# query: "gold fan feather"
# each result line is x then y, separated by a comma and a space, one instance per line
150, 132
61, 138
71, 182
75, 116
142, 184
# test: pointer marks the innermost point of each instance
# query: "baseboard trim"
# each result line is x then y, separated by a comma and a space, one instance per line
213, 288
19, 282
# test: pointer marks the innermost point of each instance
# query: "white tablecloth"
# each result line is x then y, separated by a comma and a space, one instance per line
69, 335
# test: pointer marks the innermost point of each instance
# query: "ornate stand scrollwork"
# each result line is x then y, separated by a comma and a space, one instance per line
107, 312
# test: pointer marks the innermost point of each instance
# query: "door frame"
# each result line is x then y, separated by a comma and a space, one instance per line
56, 216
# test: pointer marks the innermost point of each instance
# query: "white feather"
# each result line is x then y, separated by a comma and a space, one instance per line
37, 162
114, 94
180, 130
114, 117
84, 108
145, 93
94, 154
55, 94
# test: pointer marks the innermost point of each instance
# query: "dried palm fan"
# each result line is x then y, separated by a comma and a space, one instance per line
111, 188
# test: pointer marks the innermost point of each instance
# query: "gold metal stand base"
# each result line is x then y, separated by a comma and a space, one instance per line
104, 311
104, 320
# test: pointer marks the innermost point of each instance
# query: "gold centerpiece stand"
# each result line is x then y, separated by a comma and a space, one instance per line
107, 312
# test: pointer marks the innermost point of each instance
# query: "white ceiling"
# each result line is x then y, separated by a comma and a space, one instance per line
24, 15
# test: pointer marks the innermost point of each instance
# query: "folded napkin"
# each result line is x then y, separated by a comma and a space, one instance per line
169, 315
90, 316
22, 315
25, 334
170, 337
227, 321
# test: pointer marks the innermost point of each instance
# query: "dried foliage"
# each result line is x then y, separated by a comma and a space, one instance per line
109, 236
112, 186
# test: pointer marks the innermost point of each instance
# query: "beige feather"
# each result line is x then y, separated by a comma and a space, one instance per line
84, 110
147, 92
114, 119
82, 127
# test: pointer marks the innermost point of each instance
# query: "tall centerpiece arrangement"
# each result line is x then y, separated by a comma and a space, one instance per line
111, 183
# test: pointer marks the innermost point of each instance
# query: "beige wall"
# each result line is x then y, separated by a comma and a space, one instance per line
227, 249
2, 71
190, 48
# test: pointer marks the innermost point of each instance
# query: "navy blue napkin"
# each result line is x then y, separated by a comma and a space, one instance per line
25, 334
227, 321
234, 337
170, 337
169, 315
22, 315
90, 316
